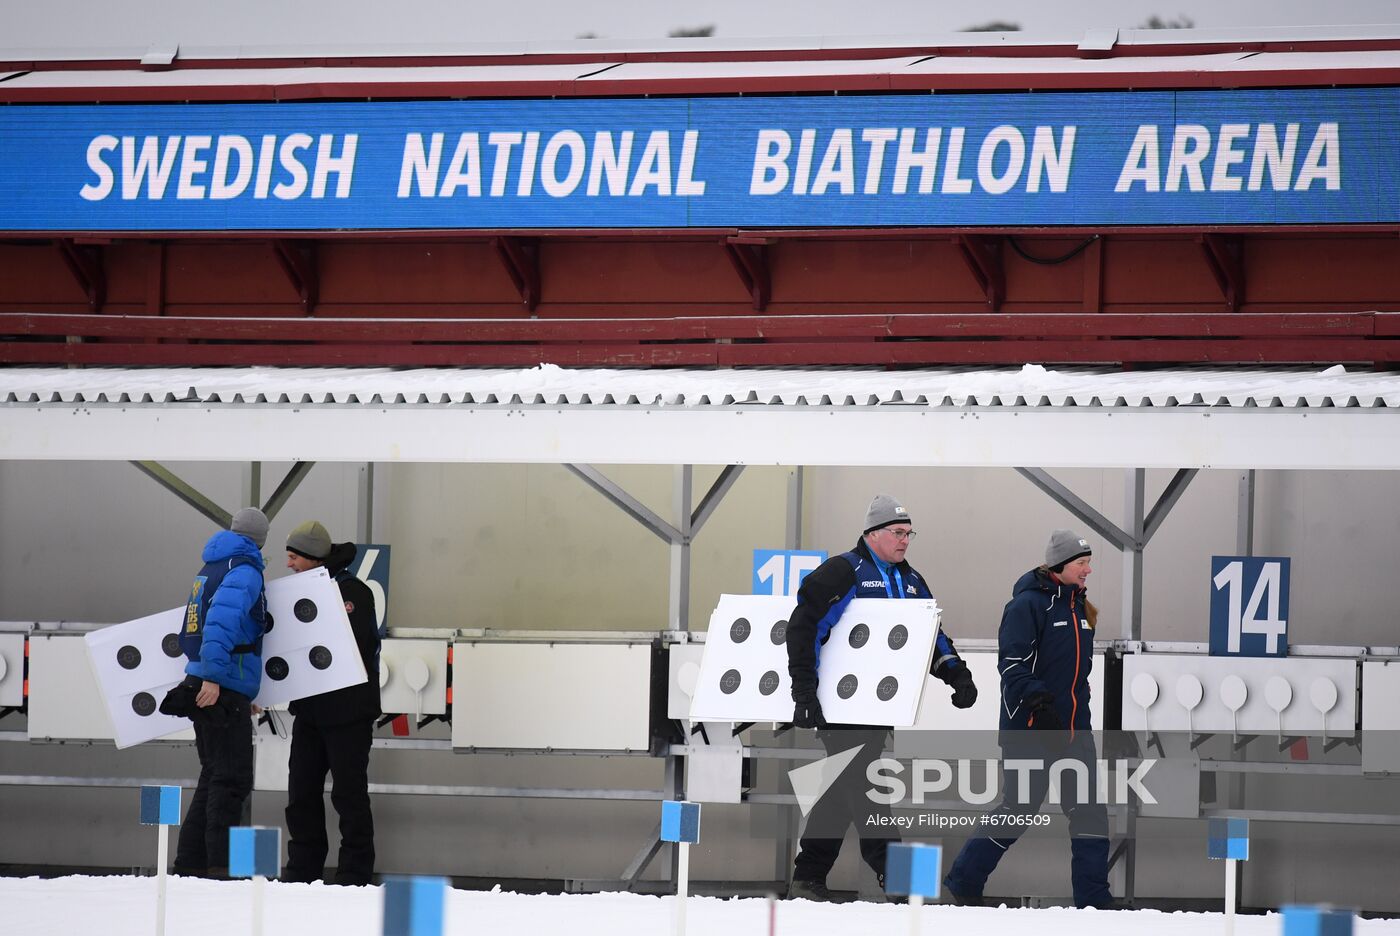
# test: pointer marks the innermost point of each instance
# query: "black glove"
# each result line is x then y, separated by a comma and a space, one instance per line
1043, 716
964, 689
807, 713
179, 701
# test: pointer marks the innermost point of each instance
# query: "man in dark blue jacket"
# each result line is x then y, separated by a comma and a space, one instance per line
225, 618
1046, 650
875, 568
333, 732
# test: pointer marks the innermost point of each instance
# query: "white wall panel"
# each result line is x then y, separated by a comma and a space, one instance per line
538, 696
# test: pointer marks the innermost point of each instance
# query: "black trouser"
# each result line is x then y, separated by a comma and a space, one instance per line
343, 751
223, 736
845, 802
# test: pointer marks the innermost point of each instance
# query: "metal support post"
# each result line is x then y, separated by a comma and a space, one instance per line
678, 612
364, 526
284, 491
793, 540
788, 824
1244, 528
1133, 483
252, 484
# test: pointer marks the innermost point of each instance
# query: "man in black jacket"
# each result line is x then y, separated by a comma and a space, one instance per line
332, 732
875, 568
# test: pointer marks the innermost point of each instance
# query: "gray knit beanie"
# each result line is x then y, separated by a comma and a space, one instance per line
310, 539
1065, 546
885, 510
252, 523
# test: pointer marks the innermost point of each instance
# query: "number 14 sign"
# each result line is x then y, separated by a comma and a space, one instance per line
1249, 606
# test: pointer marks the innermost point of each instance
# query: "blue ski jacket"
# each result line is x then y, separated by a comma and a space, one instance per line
230, 621
1046, 645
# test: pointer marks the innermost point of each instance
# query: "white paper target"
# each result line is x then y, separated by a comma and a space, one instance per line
136, 664
11, 669
138, 661
871, 672
310, 648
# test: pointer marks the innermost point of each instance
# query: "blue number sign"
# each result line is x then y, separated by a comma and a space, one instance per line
1249, 606
371, 566
781, 571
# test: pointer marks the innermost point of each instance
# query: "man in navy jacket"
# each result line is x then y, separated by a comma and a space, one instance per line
1046, 650
875, 568
225, 618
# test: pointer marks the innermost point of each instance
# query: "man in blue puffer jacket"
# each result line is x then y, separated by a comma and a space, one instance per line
875, 568
1046, 650
225, 619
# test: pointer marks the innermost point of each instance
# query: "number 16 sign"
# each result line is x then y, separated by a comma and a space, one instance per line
1249, 606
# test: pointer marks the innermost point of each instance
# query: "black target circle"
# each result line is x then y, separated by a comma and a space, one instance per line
768, 684
887, 688
143, 704
899, 636
305, 610
129, 657
740, 630
778, 634
729, 682
170, 644
847, 686
277, 669
320, 657
267, 623
859, 637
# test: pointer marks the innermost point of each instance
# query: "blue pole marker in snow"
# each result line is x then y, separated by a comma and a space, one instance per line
1316, 921
913, 870
1228, 839
254, 851
680, 822
413, 906
160, 805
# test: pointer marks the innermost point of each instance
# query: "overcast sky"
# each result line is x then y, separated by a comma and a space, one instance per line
94, 23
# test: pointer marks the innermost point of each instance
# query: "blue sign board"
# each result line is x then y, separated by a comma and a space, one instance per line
680, 822
1286, 156
160, 805
1249, 606
371, 566
914, 868
781, 571
1227, 838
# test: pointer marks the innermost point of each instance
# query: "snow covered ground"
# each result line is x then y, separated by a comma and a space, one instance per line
125, 906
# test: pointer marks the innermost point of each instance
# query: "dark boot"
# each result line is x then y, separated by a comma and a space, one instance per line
815, 890
890, 898
952, 896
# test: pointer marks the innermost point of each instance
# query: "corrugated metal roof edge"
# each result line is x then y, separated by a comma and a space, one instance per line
192, 49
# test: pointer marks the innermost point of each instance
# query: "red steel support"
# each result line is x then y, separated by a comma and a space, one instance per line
521, 258
1222, 255
85, 263
750, 259
982, 255
300, 266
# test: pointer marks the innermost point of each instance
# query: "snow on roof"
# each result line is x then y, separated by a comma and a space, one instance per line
549, 385
605, 70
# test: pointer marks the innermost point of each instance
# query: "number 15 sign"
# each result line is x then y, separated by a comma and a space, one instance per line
1249, 606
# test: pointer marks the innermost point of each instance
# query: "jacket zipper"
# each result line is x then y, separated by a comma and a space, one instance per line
1074, 686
